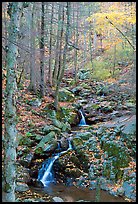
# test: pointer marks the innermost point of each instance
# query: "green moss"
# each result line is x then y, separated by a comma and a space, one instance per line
7, 187
119, 158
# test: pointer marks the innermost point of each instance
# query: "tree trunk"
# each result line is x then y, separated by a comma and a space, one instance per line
10, 140
32, 86
90, 41
114, 61
76, 42
42, 52
61, 74
60, 23
50, 47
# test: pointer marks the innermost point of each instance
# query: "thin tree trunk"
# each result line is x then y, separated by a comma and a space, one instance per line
10, 135
42, 52
76, 42
60, 63
64, 57
32, 86
50, 47
114, 61
60, 23
90, 42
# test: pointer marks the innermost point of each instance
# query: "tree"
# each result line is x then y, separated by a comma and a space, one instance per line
61, 73
59, 38
42, 52
50, 46
10, 135
32, 86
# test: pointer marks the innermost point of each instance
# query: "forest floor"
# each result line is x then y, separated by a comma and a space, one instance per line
28, 116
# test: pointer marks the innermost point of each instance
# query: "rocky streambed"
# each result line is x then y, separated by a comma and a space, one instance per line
103, 154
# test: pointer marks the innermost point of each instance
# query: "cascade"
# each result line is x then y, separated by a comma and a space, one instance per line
82, 121
45, 174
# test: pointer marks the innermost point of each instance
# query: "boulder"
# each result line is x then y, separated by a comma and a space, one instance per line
57, 199
66, 95
40, 148
26, 160
21, 187
84, 135
48, 128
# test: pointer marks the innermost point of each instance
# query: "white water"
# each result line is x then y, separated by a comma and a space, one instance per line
45, 173
48, 177
82, 121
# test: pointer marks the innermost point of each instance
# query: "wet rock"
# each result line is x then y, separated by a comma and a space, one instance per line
64, 144
33, 200
51, 146
26, 160
128, 189
120, 191
36, 183
93, 185
57, 199
41, 145
21, 187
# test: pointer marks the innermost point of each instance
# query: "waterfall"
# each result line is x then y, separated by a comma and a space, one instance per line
82, 121
45, 174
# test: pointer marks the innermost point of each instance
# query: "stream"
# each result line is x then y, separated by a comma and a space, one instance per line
75, 194
64, 193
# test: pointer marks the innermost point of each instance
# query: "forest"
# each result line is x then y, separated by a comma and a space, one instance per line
68, 101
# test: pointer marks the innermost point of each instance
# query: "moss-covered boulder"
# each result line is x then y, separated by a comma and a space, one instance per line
41, 147
66, 95
69, 115
118, 158
84, 135
51, 128
77, 142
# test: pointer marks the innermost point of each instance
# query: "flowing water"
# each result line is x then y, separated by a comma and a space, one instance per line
82, 121
45, 174
69, 193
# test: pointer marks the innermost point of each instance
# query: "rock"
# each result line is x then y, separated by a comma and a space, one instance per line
129, 130
35, 102
77, 142
21, 187
93, 184
57, 199
128, 189
46, 139
48, 128
26, 141
84, 135
120, 191
66, 127
65, 95
26, 160
64, 144
51, 146
40, 148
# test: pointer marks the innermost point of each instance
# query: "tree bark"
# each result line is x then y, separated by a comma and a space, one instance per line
60, 22
50, 47
42, 52
76, 42
10, 135
32, 86
61, 74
